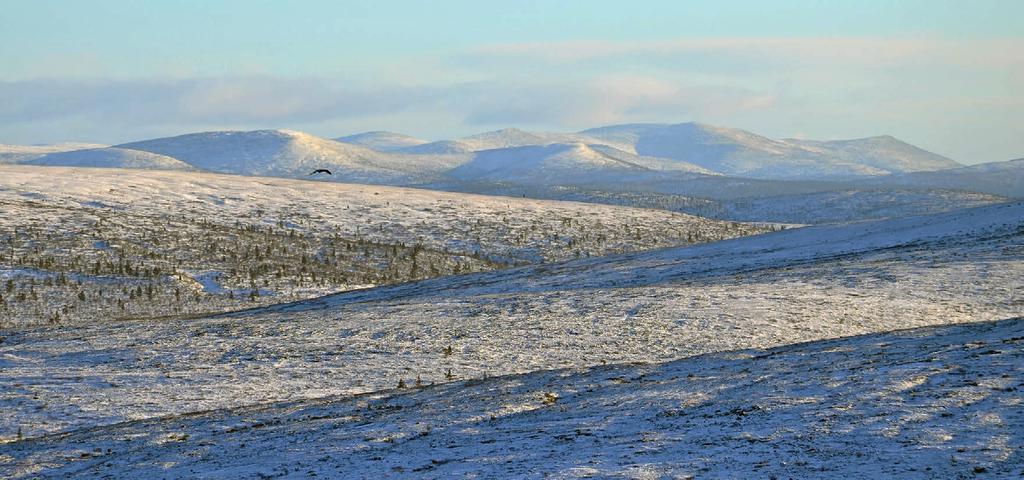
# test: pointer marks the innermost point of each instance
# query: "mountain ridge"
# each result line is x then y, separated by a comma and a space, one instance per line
732, 151
382, 140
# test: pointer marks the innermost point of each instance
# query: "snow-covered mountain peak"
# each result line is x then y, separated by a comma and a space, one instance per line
566, 164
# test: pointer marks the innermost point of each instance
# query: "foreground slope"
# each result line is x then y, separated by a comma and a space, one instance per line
754, 292
941, 402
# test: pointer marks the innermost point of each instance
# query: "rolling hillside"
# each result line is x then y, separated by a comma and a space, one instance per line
677, 167
110, 157
754, 292
561, 164
883, 152
997, 178
84, 245
12, 154
291, 154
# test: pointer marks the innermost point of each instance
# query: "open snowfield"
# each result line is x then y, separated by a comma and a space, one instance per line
754, 292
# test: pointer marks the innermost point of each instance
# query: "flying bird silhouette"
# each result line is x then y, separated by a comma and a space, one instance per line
321, 170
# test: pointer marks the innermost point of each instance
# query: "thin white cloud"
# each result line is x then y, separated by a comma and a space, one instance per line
286, 101
607, 99
749, 52
205, 100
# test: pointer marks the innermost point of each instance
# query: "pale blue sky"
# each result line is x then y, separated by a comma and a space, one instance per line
947, 76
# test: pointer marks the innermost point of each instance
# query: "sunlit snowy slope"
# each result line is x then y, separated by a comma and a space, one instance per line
754, 292
679, 167
566, 164
24, 153
110, 157
289, 153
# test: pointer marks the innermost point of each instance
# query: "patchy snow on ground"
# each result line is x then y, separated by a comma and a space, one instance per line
278, 240
939, 402
500, 226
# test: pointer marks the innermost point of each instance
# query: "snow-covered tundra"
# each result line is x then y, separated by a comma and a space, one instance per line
398, 380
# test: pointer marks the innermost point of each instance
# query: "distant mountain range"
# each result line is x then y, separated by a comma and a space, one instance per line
663, 160
704, 148
737, 152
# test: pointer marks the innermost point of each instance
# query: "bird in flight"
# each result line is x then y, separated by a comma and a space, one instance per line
321, 170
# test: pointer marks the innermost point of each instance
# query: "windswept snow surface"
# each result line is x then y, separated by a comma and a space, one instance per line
754, 292
939, 402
